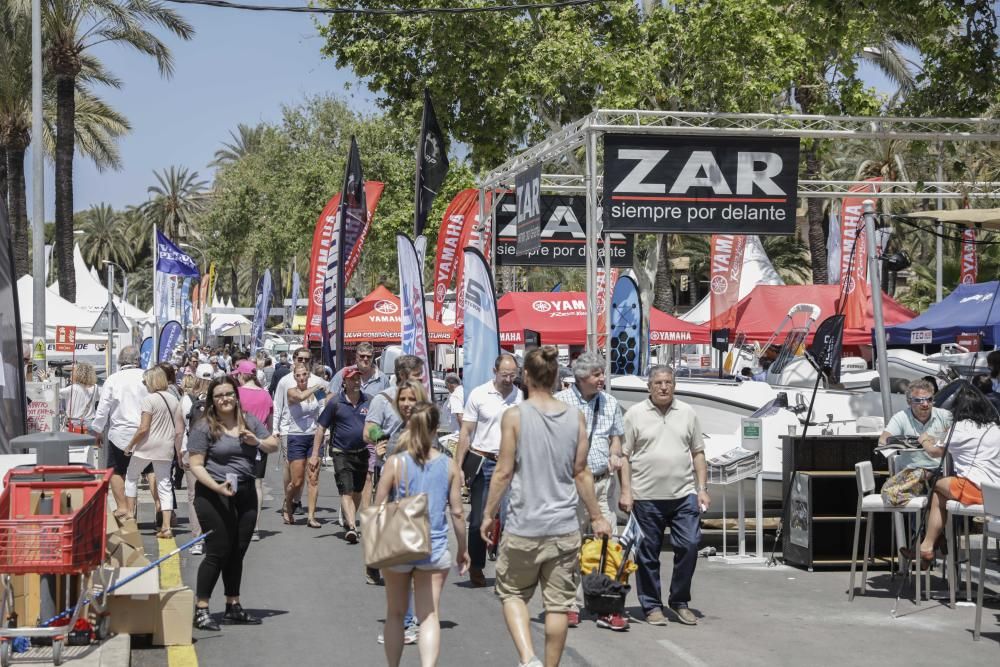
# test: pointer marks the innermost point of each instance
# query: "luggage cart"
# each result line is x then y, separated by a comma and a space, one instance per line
53, 521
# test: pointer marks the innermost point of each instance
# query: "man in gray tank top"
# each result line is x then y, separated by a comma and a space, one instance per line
543, 460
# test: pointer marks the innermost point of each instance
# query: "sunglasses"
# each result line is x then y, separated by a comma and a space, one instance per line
364, 356
303, 359
228, 394
920, 401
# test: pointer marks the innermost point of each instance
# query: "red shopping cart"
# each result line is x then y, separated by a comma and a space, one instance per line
52, 521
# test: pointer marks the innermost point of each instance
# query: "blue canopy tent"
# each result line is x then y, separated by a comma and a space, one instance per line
970, 309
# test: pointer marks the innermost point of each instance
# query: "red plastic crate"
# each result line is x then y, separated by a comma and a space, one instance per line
56, 543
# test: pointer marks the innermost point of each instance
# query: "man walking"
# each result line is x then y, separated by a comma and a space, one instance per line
456, 401
372, 379
120, 410
346, 413
478, 447
664, 484
282, 417
604, 430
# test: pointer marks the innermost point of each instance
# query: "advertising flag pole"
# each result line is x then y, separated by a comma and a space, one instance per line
156, 297
590, 179
876, 283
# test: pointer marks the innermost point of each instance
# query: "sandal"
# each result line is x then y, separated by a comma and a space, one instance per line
122, 516
926, 557
313, 523
165, 534
287, 516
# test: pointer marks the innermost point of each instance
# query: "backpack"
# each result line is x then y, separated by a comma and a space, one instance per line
198, 407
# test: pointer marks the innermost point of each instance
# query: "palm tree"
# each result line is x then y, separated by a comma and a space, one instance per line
71, 29
245, 140
174, 201
104, 236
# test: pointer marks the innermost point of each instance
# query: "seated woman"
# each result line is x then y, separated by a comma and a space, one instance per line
975, 454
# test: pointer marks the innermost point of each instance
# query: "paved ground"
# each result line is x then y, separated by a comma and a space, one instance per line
308, 586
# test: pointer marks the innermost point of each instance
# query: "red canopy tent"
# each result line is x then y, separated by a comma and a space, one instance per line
561, 319
376, 319
760, 312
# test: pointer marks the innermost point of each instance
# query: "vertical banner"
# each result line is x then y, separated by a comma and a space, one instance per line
854, 258
171, 265
196, 305
528, 196
432, 165
833, 247
186, 302
726, 270
145, 352
602, 305
477, 235
970, 261
413, 315
828, 346
171, 335
626, 328
461, 210
13, 399
262, 307
481, 332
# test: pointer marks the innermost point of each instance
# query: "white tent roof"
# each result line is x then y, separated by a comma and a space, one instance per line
92, 296
757, 270
230, 324
58, 311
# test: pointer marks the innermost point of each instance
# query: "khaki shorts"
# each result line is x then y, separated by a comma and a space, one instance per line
524, 562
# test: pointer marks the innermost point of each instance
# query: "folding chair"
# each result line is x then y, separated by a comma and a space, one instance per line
991, 528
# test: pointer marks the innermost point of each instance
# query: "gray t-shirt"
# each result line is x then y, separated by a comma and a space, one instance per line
381, 411
227, 454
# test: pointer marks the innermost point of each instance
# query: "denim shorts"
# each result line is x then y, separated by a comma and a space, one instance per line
299, 447
442, 563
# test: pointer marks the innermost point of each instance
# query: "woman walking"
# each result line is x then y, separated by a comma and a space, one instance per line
156, 442
257, 401
419, 467
222, 449
304, 407
81, 397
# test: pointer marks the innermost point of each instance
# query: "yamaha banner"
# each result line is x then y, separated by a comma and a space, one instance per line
461, 210
726, 271
481, 333
700, 184
171, 335
970, 262
413, 316
262, 307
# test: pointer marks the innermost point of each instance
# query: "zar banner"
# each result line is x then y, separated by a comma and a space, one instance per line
13, 404
726, 270
481, 343
262, 307
413, 320
527, 195
171, 335
563, 239
700, 184
461, 209
970, 262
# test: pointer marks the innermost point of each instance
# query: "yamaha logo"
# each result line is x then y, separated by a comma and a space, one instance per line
967, 279
541, 306
440, 291
849, 285
719, 285
318, 296
386, 307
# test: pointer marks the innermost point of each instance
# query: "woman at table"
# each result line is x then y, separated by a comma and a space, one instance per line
222, 450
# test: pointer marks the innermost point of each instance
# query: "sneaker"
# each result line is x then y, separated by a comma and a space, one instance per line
197, 549
203, 620
685, 615
476, 577
372, 577
411, 635
255, 537
534, 662
296, 508
351, 536
573, 618
235, 615
615, 622
656, 617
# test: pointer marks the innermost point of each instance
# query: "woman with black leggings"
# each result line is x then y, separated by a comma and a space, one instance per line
222, 450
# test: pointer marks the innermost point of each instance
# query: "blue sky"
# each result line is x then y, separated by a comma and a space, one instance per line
241, 67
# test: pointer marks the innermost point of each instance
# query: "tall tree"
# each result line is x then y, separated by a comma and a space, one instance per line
72, 28
105, 236
244, 141
174, 201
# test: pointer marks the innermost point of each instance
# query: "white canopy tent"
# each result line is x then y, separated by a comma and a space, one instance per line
230, 324
92, 296
757, 270
58, 311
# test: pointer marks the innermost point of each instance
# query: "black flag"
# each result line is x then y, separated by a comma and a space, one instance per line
828, 345
13, 407
432, 165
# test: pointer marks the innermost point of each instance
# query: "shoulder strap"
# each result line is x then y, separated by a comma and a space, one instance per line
593, 420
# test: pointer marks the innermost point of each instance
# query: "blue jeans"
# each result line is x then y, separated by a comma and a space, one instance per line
683, 518
478, 491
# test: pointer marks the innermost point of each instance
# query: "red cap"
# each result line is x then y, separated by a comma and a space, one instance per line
351, 371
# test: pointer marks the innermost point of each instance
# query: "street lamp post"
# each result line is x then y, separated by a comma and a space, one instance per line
111, 310
204, 312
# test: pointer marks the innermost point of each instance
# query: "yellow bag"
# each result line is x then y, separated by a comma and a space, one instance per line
590, 559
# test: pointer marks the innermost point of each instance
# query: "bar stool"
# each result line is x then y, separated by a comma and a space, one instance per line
957, 509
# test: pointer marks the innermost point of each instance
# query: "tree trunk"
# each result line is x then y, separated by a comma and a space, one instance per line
17, 209
3, 174
234, 284
65, 145
663, 288
817, 233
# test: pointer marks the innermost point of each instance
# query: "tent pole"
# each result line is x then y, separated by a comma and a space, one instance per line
590, 180
876, 285
938, 241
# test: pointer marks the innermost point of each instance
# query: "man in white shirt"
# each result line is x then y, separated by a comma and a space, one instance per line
456, 400
480, 440
119, 411
282, 418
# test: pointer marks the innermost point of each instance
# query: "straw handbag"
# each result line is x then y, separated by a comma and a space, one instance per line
398, 531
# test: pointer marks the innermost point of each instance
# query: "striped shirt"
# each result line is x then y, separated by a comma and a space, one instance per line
609, 423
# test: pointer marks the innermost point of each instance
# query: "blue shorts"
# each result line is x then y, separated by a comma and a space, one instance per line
299, 447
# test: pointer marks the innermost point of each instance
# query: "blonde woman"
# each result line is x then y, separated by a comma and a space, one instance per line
157, 441
80, 397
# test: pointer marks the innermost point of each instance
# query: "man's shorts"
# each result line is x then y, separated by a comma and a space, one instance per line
299, 447
524, 562
350, 468
117, 459
965, 492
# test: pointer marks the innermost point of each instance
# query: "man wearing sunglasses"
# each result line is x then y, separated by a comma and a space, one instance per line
373, 380
920, 420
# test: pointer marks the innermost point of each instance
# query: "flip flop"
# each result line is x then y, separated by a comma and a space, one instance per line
287, 516
165, 534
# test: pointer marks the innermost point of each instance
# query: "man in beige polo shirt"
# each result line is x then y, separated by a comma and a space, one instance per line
664, 477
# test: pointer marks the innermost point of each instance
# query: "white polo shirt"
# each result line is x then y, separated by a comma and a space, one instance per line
484, 408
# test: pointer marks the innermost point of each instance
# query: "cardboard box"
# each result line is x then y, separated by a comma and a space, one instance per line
146, 584
129, 533
124, 555
175, 619
134, 615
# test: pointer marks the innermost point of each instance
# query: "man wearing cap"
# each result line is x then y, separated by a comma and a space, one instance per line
456, 400
373, 380
346, 413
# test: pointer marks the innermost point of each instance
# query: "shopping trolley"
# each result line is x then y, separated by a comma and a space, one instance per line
53, 522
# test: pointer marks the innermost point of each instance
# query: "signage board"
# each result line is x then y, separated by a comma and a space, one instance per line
921, 337
527, 194
65, 338
720, 339
700, 184
532, 339
563, 240
971, 342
